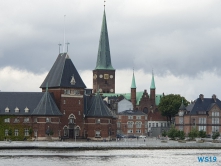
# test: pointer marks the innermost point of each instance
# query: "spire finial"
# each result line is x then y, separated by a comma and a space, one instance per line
67, 45
104, 4
59, 47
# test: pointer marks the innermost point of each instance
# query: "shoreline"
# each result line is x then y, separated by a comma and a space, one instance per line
112, 145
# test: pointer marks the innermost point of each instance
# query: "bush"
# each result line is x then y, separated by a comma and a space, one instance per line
172, 133
215, 135
193, 133
202, 134
181, 135
164, 134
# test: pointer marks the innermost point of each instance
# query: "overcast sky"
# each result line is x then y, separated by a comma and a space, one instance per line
179, 39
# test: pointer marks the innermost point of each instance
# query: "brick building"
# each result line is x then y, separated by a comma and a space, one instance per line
131, 122
203, 113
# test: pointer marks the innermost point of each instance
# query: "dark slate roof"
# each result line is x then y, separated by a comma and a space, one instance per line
46, 106
97, 108
204, 105
182, 107
131, 112
21, 100
61, 74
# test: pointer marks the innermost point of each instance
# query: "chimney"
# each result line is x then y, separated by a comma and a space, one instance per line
214, 97
201, 96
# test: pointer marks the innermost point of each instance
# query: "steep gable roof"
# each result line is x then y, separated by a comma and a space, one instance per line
63, 74
46, 106
97, 108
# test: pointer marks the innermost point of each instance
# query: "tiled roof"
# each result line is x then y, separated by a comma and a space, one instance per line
97, 108
63, 74
22, 101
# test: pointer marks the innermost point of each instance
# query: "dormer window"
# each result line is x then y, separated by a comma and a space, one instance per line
26, 110
72, 80
16, 109
7, 109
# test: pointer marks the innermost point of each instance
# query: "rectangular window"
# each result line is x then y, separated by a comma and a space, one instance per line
129, 124
129, 131
26, 132
215, 120
48, 120
119, 117
145, 117
35, 120
79, 102
118, 124
181, 128
36, 133
97, 134
215, 128
156, 124
64, 102
16, 132
7, 120
26, 120
98, 121
79, 112
16, 120
149, 124
130, 117
161, 124
138, 124
152, 124
138, 117
138, 131
6, 132
215, 113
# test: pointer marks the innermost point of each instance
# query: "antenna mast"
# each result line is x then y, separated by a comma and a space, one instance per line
67, 46
64, 34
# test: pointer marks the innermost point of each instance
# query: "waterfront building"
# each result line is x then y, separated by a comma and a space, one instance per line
203, 114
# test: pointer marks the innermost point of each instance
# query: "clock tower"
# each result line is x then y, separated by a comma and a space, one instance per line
104, 73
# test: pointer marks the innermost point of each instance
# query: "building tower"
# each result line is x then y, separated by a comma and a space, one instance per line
152, 91
104, 73
133, 92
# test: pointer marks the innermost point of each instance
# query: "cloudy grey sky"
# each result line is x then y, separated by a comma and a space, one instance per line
179, 39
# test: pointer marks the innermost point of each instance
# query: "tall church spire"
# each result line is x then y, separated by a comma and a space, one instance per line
133, 84
152, 86
103, 56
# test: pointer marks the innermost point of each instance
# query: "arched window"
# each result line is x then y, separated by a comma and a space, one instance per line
71, 118
77, 131
138, 124
65, 131
145, 110
130, 124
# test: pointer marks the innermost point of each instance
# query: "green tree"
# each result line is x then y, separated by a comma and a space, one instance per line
215, 135
30, 131
202, 134
170, 104
193, 133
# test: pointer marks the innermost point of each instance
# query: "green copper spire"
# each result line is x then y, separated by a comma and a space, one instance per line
152, 86
103, 56
133, 84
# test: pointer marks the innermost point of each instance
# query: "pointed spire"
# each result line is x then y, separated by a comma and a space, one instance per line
133, 84
103, 56
152, 86
182, 107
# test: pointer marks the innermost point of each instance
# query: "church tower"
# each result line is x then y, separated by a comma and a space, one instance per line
152, 91
104, 73
133, 92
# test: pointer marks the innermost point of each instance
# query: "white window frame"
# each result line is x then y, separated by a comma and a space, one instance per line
26, 132
7, 120
98, 133
16, 132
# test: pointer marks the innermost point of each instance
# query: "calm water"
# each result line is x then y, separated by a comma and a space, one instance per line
106, 158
